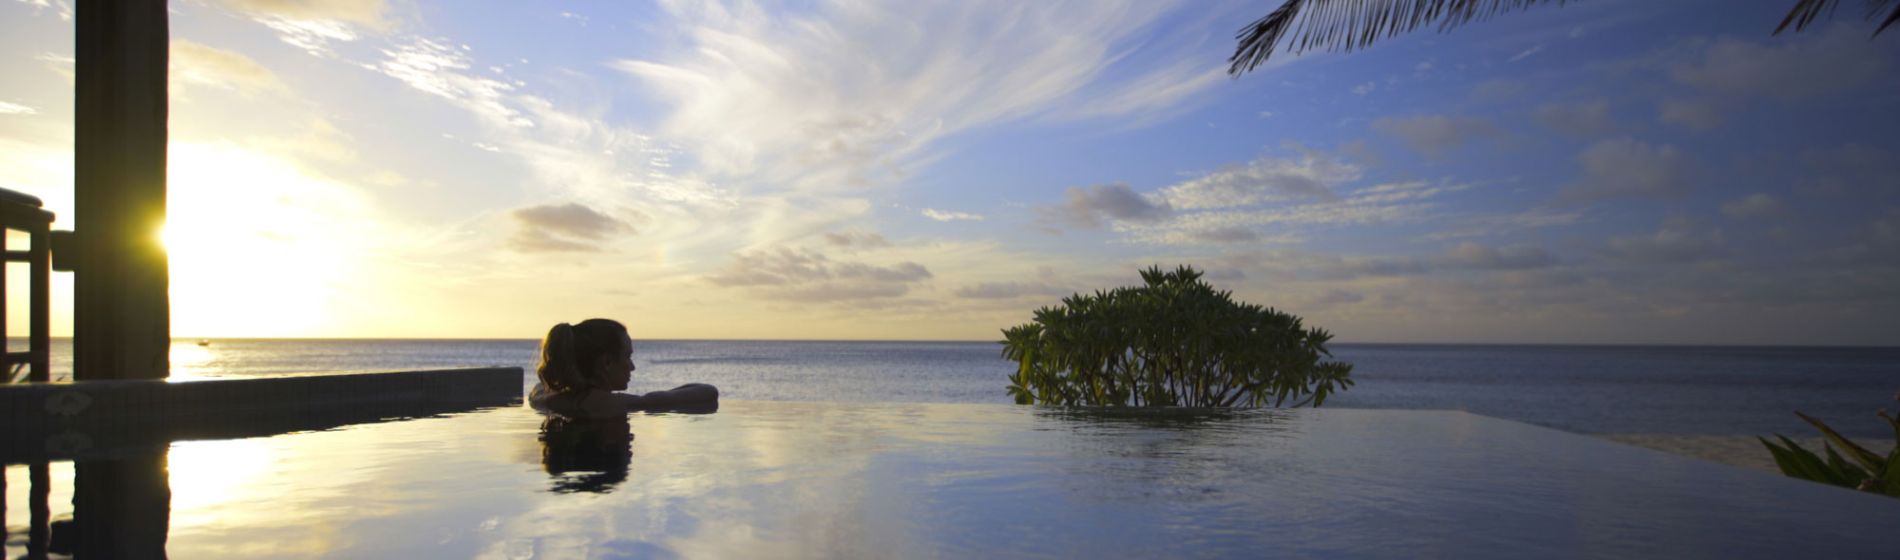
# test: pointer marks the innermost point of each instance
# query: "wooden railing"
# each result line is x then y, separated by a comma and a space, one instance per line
22, 212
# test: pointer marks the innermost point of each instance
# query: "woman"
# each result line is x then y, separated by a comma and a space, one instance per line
583, 365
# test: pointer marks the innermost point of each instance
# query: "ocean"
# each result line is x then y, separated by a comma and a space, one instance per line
1586, 389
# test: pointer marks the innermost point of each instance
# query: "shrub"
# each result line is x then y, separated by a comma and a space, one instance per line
1174, 341
1862, 469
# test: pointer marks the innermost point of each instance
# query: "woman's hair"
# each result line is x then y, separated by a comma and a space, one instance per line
571, 354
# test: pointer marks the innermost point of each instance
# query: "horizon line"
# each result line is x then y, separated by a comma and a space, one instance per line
176, 339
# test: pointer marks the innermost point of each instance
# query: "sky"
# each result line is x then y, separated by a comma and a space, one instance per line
1614, 171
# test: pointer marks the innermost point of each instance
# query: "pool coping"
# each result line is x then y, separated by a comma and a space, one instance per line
96, 419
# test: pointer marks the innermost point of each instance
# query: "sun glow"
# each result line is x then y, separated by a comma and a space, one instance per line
258, 246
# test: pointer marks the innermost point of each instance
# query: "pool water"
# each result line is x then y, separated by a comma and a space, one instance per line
829, 480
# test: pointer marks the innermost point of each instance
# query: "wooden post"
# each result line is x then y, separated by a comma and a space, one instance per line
121, 315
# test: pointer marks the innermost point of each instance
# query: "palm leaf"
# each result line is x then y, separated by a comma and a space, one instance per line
1805, 12
1345, 25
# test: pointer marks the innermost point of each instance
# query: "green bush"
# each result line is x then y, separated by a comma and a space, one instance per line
1175, 341
1862, 469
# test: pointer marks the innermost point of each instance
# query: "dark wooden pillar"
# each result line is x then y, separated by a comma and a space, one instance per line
121, 315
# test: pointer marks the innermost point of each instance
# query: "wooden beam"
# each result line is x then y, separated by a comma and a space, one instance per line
121, 315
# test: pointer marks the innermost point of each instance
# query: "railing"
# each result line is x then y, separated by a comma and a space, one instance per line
22, 212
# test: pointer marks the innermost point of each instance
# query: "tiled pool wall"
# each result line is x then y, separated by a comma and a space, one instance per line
54, 421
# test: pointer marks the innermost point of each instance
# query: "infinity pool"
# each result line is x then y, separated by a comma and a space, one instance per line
823, 480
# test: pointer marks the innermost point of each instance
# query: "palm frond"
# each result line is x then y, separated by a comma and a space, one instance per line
1344, 25
1805, 12
1304, 25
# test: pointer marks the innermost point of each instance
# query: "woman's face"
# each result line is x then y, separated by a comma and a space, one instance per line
617, 369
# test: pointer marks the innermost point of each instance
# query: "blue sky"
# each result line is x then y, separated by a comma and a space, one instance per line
1608, 171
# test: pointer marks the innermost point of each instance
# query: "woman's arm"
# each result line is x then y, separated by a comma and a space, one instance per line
601, 404
684, 395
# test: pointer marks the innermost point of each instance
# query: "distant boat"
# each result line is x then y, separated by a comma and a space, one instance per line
204, 342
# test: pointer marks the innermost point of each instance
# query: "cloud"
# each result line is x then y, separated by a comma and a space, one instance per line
1674, 243
1590, 118
861, 240
1156, 90
946, 216
436, 68
16, 109
63, 65
853, 95
1229, 234
1626, 167
1475, 256
312, 25
1850, 168
313, 36
565, 227
365, 12
197, 65
1497, 89
1310, 176
1486, 225
1700, 115
1432, 135
1335, 297
1526, 53
1233, 205
1013, 290
803, 275
1364, 88
63, 7
1835, 61
1094, 206
1752, 206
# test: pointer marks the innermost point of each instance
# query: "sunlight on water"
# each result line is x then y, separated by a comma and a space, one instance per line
824, 480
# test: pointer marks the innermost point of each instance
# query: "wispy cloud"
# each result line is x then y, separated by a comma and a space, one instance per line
440, 69
1627, 167
1836, 60
1310, 176
845, 97
803, 275
1433, 135
8, 108
1676, 242
1586, 119
1526, 53
195, 65
947, 216
1757, 205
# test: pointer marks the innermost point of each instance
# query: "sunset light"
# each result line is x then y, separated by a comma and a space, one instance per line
950, 278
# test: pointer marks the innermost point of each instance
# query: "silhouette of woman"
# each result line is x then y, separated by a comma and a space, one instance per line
583, 366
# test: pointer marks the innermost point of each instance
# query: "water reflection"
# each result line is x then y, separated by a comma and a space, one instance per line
586, 455
121, 508
593, 454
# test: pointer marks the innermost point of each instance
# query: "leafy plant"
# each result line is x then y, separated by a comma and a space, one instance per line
1174, 341
1862, 469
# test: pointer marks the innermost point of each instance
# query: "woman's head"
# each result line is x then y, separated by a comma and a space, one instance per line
592, 354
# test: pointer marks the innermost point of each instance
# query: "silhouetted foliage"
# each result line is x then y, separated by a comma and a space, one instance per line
1345, 25
1862, 469
1174, 341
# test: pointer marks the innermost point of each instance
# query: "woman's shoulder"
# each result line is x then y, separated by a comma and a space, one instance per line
582, 403
560, 402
